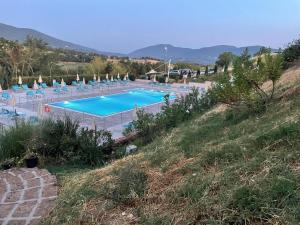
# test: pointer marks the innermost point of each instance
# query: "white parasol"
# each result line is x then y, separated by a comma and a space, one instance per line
40, 79
35, 86
62, 83
77, 77
20, 80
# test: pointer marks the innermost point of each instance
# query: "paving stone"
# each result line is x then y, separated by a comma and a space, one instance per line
31, 193
33, 182
24, 209
13, 196
22, 181
5, 209
43, 207
50, 191
17, 222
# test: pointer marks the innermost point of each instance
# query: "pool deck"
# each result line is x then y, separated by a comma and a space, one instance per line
34, 106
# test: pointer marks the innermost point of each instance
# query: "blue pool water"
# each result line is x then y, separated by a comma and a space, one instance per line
115, 103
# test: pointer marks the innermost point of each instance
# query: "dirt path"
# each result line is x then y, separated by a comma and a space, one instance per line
26, 195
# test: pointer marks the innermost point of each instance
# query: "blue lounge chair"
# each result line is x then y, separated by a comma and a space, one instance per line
40, 92
25, 87
30, 94
56, 84
74, 83
44, 85
16, 88
6, 96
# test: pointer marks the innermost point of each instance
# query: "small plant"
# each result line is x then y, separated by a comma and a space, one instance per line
8, 163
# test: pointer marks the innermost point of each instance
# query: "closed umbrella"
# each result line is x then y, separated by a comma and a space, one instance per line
40, 111
95, 77
124, 78
118, 76
154, 78
127, 76
167, 80
112, 78
83, 81
35, 86
13, 101
40, 79
62, 83
99, 80
53, 82
1, 88
77, 77
20, 80
107, 76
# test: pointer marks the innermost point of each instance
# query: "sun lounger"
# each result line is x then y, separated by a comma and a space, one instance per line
25, 87
30, 94
40, 93
43, 85
16, 88
5, 96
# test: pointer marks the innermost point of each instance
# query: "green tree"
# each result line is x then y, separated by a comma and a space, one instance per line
109, 68
244, 87
224, 60
206, 70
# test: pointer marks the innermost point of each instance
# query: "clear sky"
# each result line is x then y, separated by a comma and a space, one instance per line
125, 25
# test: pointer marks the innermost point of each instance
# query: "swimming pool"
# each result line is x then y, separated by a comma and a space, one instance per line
115, 103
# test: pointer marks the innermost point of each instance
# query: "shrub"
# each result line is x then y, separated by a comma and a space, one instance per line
94, 146
291, 53
15, 141
129, 184
131, 77
62, 140
244, 86
182, 109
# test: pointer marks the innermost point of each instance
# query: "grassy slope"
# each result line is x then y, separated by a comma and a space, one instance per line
221, 168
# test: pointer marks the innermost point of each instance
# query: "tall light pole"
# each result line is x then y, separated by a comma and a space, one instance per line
166, 53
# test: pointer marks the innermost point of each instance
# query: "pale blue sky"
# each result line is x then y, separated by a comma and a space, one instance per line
125, 25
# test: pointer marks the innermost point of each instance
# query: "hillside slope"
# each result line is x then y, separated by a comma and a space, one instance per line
225, 167
20, 34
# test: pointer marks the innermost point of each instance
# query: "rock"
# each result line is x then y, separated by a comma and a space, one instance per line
131, 149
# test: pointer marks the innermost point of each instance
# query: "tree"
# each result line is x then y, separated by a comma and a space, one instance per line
224, 60
215, 69
109, 68
96, 66
206, 70
245, 85
263, 50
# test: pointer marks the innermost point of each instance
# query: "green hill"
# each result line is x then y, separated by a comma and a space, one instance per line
224, 167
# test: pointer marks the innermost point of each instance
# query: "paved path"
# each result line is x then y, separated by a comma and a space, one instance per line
26, 195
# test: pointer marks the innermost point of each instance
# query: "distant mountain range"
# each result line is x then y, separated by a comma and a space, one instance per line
205, 55
20, 34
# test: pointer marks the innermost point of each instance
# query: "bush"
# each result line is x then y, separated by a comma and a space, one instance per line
130, 183
15, 141
171, 115
131, 77
61, 141
291, 53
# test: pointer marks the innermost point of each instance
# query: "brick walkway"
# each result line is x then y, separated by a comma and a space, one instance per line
26, 195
